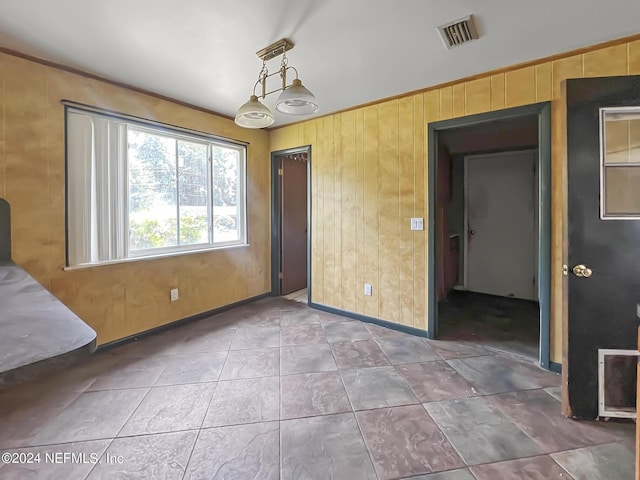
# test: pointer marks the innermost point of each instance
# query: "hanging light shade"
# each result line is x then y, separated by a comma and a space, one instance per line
254, 114
296, 100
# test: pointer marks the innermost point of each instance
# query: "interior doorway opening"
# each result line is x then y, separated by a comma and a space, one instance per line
290, 223
487, 236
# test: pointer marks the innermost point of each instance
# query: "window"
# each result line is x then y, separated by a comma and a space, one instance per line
620, 165
136, 189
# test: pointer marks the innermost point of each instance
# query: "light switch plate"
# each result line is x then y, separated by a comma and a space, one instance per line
174, 294
417, 224
367, 289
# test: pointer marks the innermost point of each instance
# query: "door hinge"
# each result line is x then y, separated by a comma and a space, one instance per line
280, 172
280, 276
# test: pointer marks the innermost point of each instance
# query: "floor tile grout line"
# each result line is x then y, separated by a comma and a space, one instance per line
193, 448
93, 467
446, 436
366, 446
43, 445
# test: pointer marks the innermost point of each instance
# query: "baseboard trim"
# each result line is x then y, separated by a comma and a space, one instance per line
555, 367
376, 321
178, 323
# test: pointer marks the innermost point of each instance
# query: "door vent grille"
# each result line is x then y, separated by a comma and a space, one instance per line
458, 32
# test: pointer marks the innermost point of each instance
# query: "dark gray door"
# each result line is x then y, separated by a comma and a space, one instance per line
604, 236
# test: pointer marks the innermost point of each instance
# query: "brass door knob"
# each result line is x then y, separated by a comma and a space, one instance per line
582, 271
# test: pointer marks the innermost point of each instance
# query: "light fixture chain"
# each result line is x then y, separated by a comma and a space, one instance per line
264, 72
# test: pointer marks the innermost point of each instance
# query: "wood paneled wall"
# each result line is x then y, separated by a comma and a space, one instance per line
370, 176
123, 299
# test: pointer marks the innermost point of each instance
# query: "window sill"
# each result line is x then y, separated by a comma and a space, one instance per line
154, 257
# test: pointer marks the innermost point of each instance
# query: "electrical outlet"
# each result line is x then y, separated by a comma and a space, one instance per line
367, 289
174, 294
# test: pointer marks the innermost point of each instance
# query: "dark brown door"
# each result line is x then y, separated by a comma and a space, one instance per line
294, 223
604, 237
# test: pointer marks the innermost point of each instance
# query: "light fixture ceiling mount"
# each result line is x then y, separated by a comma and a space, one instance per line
294, 99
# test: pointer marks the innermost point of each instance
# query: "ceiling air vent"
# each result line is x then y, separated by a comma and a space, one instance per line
458, 32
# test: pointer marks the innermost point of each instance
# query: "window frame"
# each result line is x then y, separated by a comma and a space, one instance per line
603, 165
128, 122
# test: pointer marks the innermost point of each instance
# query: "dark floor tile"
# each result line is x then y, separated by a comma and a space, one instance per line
539, 415
162, 456
244, 401
359, 354
500, 374
501, 323
462, 474
306, 359
378, 331
479, 432
325, 447
236, 453
260, 316
227, 320
435, 381
253, 337
170, 409
407, 349
404, 441
377, 387
302, 335
312, 394
54, 469
91, 416
528, 352
555, 392
346, 331
304, 316
327, 318
207, 340
263, 362
602, 462
192, 368
26, 409
131, 372
162, 343
448, 350
535, 468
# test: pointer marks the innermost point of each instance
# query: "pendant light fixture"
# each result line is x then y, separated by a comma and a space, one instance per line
294, 99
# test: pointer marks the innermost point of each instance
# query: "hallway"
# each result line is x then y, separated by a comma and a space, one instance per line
503, 324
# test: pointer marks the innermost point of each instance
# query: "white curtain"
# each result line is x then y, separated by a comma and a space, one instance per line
96, 188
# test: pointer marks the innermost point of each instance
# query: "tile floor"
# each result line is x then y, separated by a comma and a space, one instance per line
299, 296
274, 390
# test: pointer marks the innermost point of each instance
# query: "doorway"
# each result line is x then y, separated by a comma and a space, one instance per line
290, 223
489, 233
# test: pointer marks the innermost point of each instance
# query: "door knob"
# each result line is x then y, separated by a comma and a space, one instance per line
472, 232
582, 271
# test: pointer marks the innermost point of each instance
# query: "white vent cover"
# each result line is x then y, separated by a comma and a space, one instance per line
458, 32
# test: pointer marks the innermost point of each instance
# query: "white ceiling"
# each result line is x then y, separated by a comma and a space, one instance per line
348, 52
